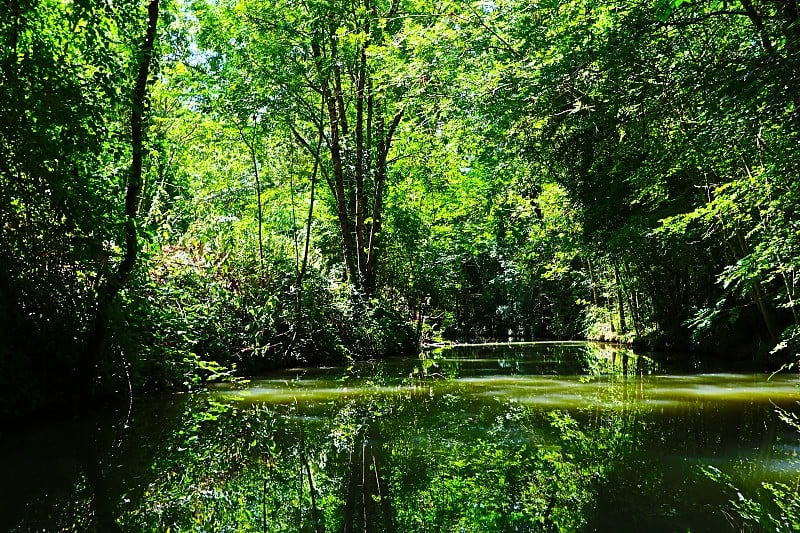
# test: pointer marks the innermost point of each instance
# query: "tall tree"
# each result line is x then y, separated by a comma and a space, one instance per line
322, 69
116, 279
64, 69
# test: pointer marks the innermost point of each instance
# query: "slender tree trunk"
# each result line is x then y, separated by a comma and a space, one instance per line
109, 290
257, 176
140, 96
360, 166
593, 281
317, 168
335, 121
757, 293
348, 247
350, 499
301, 266
251, 147
384, 143
366, 489
789, 293
757, 21
318, 527
620, 300
309, 220
633, 301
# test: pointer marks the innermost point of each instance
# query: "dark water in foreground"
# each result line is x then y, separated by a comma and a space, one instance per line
537, 437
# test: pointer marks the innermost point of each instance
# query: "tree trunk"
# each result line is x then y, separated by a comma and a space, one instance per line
117, 279
384, 143
620, 300
757, 293
251, 147
358, 145
335, 122
360, 164
593, 281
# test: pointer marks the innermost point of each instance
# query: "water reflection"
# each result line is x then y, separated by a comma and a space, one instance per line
538, 437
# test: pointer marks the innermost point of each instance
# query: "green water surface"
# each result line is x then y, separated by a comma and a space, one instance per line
525, 437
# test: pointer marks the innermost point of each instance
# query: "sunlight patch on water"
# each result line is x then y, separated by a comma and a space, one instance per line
312, 394
557, 392
651, 391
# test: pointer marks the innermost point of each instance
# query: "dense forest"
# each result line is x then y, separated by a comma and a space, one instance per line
195, 189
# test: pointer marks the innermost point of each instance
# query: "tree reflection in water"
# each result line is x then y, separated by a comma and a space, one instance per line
385, 447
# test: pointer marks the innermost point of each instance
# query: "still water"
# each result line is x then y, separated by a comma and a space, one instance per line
525, 437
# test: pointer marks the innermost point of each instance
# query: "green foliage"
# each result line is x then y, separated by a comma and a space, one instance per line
246, 467
495, 485
664, 122
773, 507
348, 178
66, 78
